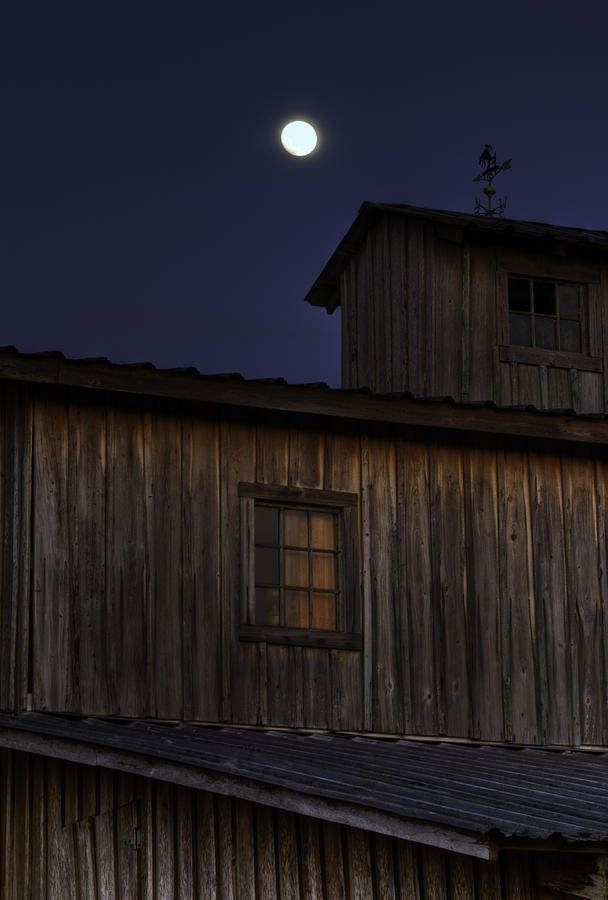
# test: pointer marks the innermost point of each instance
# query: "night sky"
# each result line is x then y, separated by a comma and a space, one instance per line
149, 212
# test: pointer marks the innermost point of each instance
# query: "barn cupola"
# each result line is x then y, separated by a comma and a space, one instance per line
474, 307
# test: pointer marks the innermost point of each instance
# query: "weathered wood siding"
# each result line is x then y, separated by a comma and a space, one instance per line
484, 592
424, 309
64, 828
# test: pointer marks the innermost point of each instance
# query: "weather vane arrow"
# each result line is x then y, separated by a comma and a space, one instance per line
491, 169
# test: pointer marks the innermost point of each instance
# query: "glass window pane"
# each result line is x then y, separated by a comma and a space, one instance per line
297, 613
569, 306
520, 329
324, 567
324, 611
296, 527
296, 568
266, 565
324, 530
519, 294
570, 336
545, 332
266, 525
544, 298
266, 606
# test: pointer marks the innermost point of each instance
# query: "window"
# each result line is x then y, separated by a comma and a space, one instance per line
545, 313
300, 566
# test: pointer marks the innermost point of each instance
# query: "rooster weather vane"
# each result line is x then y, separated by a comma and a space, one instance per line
490, 170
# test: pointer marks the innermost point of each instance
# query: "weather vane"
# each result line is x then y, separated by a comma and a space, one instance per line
490, 170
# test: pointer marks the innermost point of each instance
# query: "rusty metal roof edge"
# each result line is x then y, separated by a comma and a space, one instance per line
478, 834
53, 367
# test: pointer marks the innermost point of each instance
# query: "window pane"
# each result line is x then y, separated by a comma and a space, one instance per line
570, 336
266, 525
544, 298
297, 609
545, 332
296, 527
324, 571
324, 611
296, 568
520, 329
324, 531
519, 294
266, 566
569, 307
266, 606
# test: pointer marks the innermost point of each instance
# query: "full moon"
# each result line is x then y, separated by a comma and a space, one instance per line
299, 138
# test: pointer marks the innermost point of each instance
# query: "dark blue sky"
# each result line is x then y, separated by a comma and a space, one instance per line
149, 212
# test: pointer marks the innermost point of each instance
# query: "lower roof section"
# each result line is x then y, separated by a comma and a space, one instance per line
465, 798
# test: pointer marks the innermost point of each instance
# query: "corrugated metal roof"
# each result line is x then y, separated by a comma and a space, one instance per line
325, 290
527, 792
316, 399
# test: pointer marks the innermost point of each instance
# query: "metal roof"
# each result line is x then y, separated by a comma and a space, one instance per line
529, 793
449, 224
315, 399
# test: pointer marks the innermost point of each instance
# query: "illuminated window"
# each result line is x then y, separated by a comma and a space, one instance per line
545, 314
300, 566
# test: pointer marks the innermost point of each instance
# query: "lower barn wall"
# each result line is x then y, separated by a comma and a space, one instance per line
72, 832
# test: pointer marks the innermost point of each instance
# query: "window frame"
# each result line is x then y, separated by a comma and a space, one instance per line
349, 636
534, 267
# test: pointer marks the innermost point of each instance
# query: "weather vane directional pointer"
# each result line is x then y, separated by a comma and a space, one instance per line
490, 170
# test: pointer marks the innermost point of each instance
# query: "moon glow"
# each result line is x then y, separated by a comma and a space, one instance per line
299, 138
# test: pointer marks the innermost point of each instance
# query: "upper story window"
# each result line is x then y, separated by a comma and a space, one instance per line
545, 313
300, 566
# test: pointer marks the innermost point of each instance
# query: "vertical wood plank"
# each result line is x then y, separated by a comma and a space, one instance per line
447, 528
225, 849
53, 647
126, 578
434, 874
416, 325
462, 877
206, 873
85, 854
61, 876
87, 535
408, 870
162, 456
489, 879
201, 548
289, 881
39, 830
333, 861
518, 607
554, 663
483, 593
342, 472
385, 620
240, 676
416, 590
265, 862
245, 862
397, 330
105, 858
383, 867
359, 864
127, 856
15, 514
447, 308
185, 859
312, 879
585, 619
366, 586
164, 839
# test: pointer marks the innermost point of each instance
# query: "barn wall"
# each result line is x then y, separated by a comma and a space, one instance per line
64, 826
483, 575
425, 310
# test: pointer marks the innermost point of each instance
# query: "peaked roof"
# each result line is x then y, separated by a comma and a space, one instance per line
461, 796
452, 226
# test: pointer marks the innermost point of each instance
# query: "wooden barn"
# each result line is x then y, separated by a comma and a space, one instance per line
270, 641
